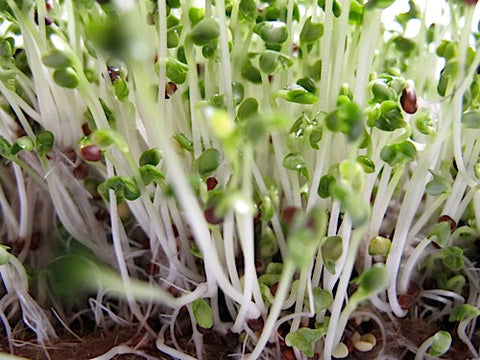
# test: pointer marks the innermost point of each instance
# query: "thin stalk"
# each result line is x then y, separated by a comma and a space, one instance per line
347, 235
302, 287
228, 240
226, 73
409, 266
337, 324
368, 39
160, 344
411, 201
8, 214
246, 234
466, 340
162, 56
194, 97
117, 244
282, 291
427, 215
340, 32
324, 94
197, 337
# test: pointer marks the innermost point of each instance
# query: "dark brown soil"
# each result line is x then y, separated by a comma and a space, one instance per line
217, 346
90, 346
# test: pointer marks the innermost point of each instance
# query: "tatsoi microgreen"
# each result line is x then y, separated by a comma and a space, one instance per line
271, 61
336, 8
150, 173
5, 148
150, 157
105, 138
176, 70
208, 162
66, 77
183, 142
440, 233
44, 142
248, 10
304, 339
272, 32
123, 187
120, 88
203, 313
57, 59
438, 185
265, 165
440, 344
22, 143
297, 94
370, 283
247, 108
464, 314
379, 245
322, 299
205, 31
4, 255
311, 31
331, 251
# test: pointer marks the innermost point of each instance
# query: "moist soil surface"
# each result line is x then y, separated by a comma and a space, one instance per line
408, 334
70, 348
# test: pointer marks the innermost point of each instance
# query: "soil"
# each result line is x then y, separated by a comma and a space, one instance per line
94, 343
68, 347
406, 334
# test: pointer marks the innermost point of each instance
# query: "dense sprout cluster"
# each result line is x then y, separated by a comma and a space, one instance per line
286, 173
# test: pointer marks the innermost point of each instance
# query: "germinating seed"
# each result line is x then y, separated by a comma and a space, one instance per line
91, 153
409, 100
114, 73
80, 171
211, 183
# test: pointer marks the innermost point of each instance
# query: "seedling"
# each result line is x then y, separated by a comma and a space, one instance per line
365, 342
439, 344
464, 314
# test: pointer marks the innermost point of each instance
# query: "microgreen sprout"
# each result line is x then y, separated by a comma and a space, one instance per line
365, 342
464, 314
439, 344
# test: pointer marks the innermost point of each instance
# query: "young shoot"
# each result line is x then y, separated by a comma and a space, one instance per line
437, 345
464, 314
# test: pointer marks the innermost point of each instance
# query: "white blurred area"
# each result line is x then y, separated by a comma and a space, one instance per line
437, 11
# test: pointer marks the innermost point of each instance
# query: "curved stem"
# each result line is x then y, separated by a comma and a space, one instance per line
335, 327
282, 290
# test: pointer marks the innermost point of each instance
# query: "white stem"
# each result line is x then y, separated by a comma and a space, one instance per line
324, 94
122, 350
368, 40
24, 203
226, 73
466, 340
302, 286
228, 240
334, 330
409, 267
422, 349
407, 212
268, 328
9, 217
160, 344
